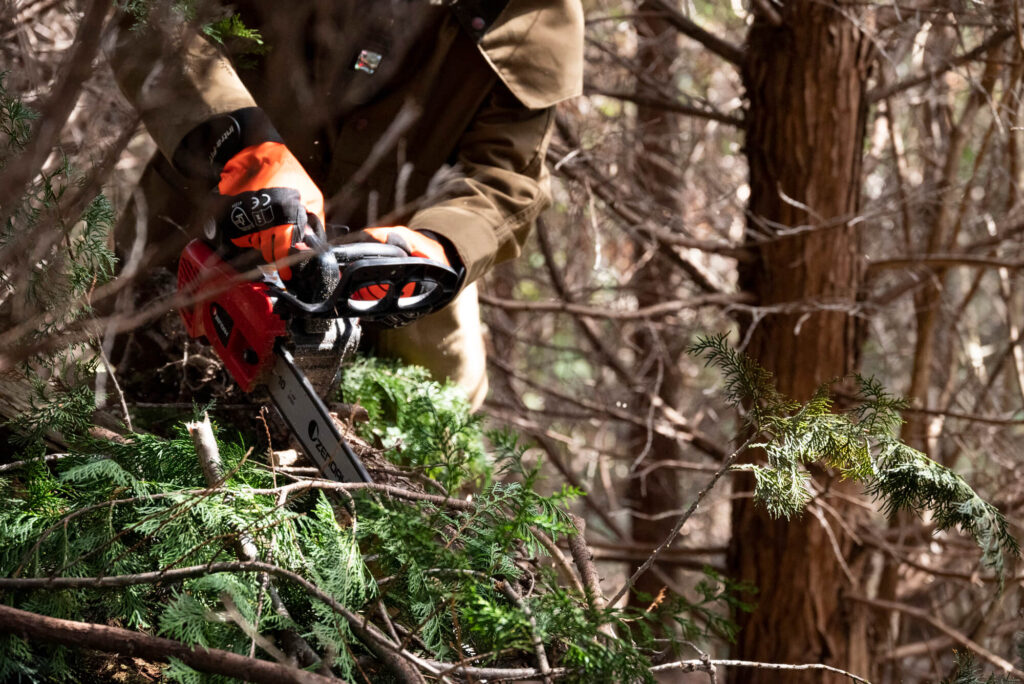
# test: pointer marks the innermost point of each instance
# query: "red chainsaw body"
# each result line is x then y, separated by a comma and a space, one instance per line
234, 315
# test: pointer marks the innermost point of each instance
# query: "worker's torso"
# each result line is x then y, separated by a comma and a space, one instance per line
371, 133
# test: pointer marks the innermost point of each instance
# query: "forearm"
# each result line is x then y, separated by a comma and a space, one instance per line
174, 78
488, 210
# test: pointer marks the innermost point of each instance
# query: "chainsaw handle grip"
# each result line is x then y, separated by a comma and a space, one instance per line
368, 264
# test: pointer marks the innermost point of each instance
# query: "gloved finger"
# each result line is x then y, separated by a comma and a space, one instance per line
269, 165
249, 212
412, 242
274, 244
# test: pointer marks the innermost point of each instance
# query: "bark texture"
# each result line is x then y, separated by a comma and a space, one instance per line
805, 78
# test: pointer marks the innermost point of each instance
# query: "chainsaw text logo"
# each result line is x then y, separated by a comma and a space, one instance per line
313, 430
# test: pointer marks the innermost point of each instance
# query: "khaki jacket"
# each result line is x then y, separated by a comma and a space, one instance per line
472, 96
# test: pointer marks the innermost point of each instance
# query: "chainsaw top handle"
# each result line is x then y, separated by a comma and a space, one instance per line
409, 287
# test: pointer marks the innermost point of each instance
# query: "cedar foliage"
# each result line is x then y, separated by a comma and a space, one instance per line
860, 443
142, 506
111, 508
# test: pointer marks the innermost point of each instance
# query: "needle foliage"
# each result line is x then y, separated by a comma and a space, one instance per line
438, 571
860, 443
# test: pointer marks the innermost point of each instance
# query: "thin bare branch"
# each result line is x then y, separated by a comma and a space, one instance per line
993, 41
728, 51
682, 519
136, 644
960, 637
667, 105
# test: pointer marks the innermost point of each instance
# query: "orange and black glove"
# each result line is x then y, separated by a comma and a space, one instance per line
264, 200
421, 244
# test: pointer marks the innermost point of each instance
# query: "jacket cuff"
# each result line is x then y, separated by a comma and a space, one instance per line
204, 151
469, 233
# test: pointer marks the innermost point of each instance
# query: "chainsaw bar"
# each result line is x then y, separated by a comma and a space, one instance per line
310, 422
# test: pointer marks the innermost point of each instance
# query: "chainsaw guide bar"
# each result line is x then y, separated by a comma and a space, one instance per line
254, 325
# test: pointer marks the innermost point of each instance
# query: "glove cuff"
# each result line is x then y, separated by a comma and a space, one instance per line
203, 152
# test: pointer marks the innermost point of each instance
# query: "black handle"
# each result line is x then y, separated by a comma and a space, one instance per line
428, 285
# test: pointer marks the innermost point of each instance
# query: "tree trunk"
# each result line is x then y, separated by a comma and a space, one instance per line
805, 77
656, 368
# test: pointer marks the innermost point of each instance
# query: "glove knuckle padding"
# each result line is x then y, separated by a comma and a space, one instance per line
254, 211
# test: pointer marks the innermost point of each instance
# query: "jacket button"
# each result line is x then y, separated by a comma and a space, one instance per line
478, 23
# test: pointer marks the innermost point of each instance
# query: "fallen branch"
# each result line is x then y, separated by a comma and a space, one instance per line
386, 650
136, 644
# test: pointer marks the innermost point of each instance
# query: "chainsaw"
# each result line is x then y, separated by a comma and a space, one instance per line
259, 329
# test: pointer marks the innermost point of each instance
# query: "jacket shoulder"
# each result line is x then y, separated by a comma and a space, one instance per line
536, 49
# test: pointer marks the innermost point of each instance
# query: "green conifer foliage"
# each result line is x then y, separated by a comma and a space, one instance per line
861, 443
43, 295
134, 507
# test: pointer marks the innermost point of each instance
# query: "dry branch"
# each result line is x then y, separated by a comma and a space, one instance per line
726, 465
662, 309
957, 635
136, 644
667, 105
993, 41
723, 48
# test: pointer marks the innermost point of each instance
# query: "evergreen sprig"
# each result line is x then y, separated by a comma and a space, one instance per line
142, 505
861, 443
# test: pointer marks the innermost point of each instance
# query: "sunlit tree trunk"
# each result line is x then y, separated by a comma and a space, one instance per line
805, 72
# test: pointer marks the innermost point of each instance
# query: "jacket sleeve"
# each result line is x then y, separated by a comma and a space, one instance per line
176, 80
486, 211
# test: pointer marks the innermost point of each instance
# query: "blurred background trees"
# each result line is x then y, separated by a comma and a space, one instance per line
835, 184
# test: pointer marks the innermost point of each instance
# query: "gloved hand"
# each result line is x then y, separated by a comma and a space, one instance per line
265, 200
422, 244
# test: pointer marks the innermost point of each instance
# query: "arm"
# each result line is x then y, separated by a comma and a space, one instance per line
487, 212
175, 79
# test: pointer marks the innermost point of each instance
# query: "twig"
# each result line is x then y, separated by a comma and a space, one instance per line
53, 115
945, 261
723, 48
682, 520
367, 633
699, 665
397, 492
767, 12
29, 461
669, 308
538, 643
834, 542
667, 105
250, 630
559, 559
213, 471
995, 40
584, 560
136, 644
960, 637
